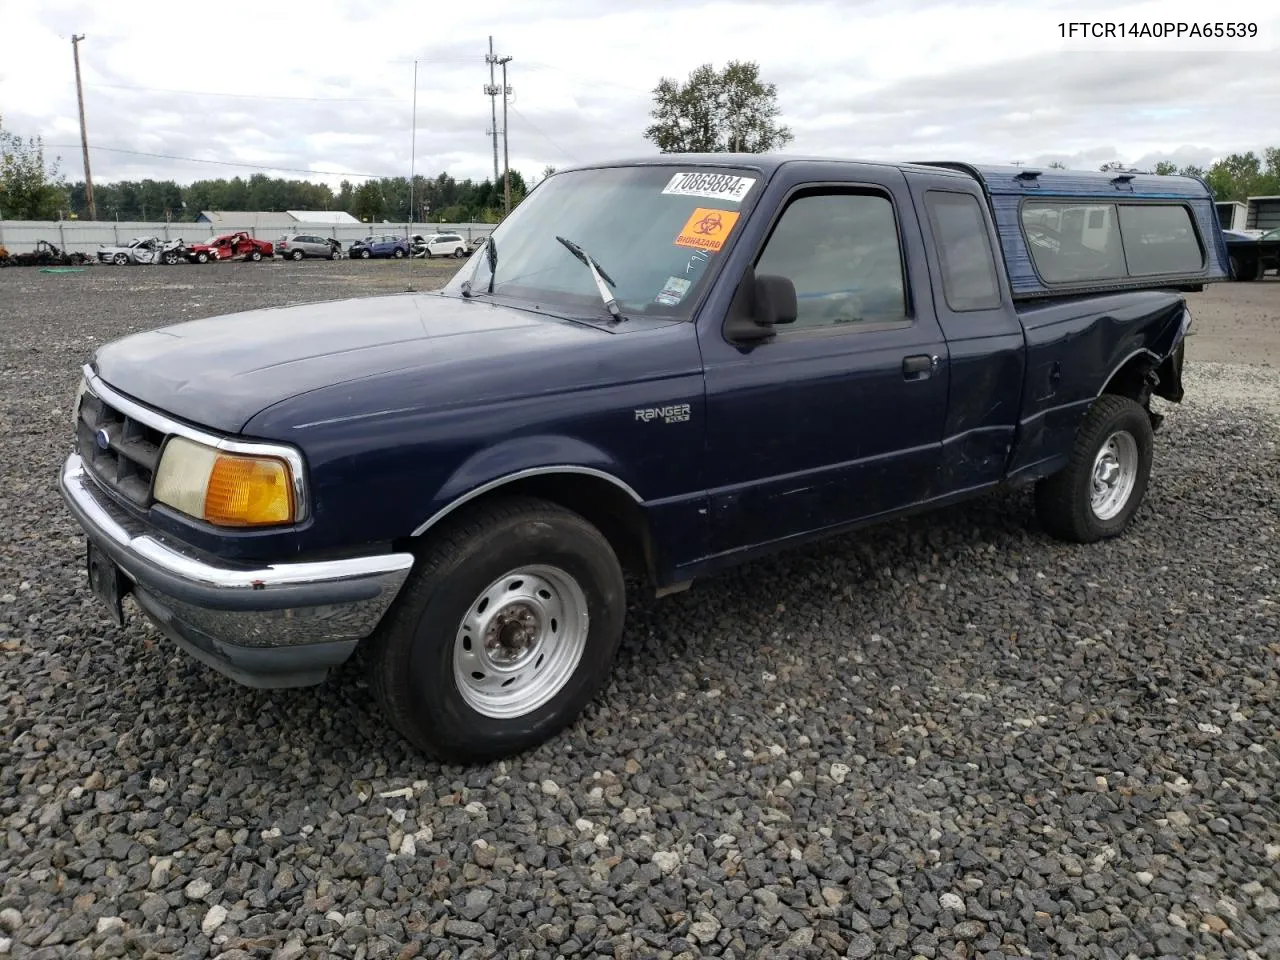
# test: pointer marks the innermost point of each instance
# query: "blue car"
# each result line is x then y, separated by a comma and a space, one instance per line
666, 366
384, 246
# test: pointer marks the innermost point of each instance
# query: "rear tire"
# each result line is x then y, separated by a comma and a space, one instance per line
459, 253
296, 255
1096, 495
505, 630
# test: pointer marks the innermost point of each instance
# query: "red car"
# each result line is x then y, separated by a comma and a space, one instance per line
229, 246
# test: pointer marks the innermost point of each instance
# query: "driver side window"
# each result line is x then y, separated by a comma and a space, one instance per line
842, 253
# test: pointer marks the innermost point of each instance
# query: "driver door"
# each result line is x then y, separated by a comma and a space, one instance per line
840, 416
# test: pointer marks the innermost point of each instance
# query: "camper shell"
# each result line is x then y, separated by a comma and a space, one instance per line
1069, 231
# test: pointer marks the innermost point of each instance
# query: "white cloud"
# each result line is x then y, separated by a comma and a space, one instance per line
991, 80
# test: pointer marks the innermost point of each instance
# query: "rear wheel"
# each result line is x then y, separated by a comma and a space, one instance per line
460, 253
120, 259
297, 255
1096, 495
506, 629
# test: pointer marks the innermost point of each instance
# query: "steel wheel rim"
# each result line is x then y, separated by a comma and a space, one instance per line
1115, 471
520, 641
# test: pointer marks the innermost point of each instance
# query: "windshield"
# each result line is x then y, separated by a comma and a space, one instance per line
653, 229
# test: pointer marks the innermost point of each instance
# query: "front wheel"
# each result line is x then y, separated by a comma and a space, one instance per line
364, 254
505, 631
256, 255
1096, 495
398, 254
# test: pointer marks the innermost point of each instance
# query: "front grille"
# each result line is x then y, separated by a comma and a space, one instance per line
119, 451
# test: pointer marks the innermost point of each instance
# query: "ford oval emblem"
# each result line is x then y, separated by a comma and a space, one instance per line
103, 439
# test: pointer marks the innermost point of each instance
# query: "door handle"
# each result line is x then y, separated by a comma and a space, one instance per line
919, 367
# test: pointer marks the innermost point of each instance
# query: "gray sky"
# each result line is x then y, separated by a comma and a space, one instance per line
327, 85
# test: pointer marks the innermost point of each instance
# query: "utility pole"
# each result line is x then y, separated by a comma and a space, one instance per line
491, 91
506, 156
84, 136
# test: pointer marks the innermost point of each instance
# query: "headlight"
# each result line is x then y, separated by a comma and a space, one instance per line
229, 489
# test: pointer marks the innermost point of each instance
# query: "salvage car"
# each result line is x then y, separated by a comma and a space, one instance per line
143, 250
1254, 254
231, 246
45, 253
296, 246
774, 351
388, 245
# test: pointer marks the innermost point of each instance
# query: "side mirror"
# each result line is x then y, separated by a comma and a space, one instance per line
759, 304
775, 300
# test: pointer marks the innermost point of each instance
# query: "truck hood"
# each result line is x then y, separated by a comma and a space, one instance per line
220, 371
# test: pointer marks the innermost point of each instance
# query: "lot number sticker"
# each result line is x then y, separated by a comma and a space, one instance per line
707, 229
713, 186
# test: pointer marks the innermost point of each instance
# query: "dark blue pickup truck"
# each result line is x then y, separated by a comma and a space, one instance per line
664, 366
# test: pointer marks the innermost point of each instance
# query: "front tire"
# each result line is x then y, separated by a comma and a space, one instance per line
506, 629
255, 256
1096, 495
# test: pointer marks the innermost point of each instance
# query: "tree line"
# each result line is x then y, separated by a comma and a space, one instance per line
442, 199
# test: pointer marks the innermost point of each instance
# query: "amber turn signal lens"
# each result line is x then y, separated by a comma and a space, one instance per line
248, 491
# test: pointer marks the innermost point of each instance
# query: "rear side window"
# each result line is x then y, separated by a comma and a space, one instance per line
1073, 242
1160, 239
969, 279
1080, 242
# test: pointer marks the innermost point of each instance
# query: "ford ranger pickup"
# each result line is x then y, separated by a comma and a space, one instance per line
660, 368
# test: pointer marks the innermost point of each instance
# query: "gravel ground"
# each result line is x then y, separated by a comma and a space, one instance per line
949, 737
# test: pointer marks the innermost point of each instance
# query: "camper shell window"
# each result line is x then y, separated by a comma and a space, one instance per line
1076, 241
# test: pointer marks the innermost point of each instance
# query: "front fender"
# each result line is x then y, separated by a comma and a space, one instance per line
517, 458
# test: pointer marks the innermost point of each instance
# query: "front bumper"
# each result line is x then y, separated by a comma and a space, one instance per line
283, 625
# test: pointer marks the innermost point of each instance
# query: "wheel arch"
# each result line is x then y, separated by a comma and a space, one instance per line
1130, 377
609, 503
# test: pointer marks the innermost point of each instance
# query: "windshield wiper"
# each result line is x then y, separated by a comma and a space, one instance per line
602, 279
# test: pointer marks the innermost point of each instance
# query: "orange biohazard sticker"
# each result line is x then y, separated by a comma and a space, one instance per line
707, 229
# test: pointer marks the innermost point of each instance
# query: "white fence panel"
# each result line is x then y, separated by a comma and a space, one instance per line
85, 236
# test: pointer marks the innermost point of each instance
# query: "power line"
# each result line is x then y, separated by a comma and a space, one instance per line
231, 163
539, 132
246, 96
